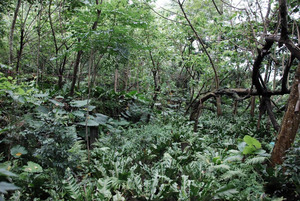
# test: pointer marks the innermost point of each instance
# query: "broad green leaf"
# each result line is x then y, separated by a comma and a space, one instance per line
252, 141
33, 167
79, 103
78, 113
4, 187
18, 151
6, 173
226, 191
118, 197
241, 146
42, 109
90, 122
249, 150
101, 118
56, 103
91, 107
41, 95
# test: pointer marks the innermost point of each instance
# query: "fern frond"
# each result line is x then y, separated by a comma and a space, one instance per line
72, 188
233, 173
256, 160
220, 167
233, 158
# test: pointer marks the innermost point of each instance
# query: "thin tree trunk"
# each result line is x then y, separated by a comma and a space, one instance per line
219, 103
79, 53
235, 106
20, 51
116, 80
252, 106
126, 74
156, 79
75, 70
12, 30
61, 72
38, 48
217, 81
274, 78
79, 77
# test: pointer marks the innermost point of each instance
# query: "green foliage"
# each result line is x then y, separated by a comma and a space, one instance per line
252, 145
33, 167
137, 72
159, 162
6, 186
18, 151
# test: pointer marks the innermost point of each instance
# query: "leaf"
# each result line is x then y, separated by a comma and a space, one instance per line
241, 146
226, 191
256, 160
91, 107
90, 122
41, 95
56, 103
33, 167
79, 103
78, 113
222, 166
252, 141
6, 173
249, 150
4, 187
18, 151
232, 173
101, 118
118, 197
42, 109
233, 158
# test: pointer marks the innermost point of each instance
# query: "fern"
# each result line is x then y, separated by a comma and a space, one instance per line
72, 188
233, 158
220, 167
256, 160
233, 173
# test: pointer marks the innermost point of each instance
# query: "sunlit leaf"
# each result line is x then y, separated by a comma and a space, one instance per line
18, 151
33, 167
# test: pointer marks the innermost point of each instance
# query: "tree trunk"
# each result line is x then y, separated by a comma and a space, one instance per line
79, 53
61, 72
94, 130
219, 109
290, 124
12, 30
116, 80
38, 48
235, 107
20, 51
252, 106
75, 70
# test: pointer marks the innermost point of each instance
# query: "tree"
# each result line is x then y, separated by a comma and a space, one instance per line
291, 119
12, 30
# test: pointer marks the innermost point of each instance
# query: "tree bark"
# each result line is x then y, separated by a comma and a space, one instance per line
289, 126
79, 53
252, 110
116, 80
75, 70
217, 81
12, 30
20, 50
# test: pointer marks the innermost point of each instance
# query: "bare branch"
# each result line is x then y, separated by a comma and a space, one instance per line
202, 44
217, 7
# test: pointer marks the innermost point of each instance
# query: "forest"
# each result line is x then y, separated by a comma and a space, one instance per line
135, 100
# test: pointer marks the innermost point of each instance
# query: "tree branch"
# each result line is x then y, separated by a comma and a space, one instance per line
202, 44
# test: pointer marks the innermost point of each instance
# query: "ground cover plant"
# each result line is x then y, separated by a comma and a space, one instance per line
149, 100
